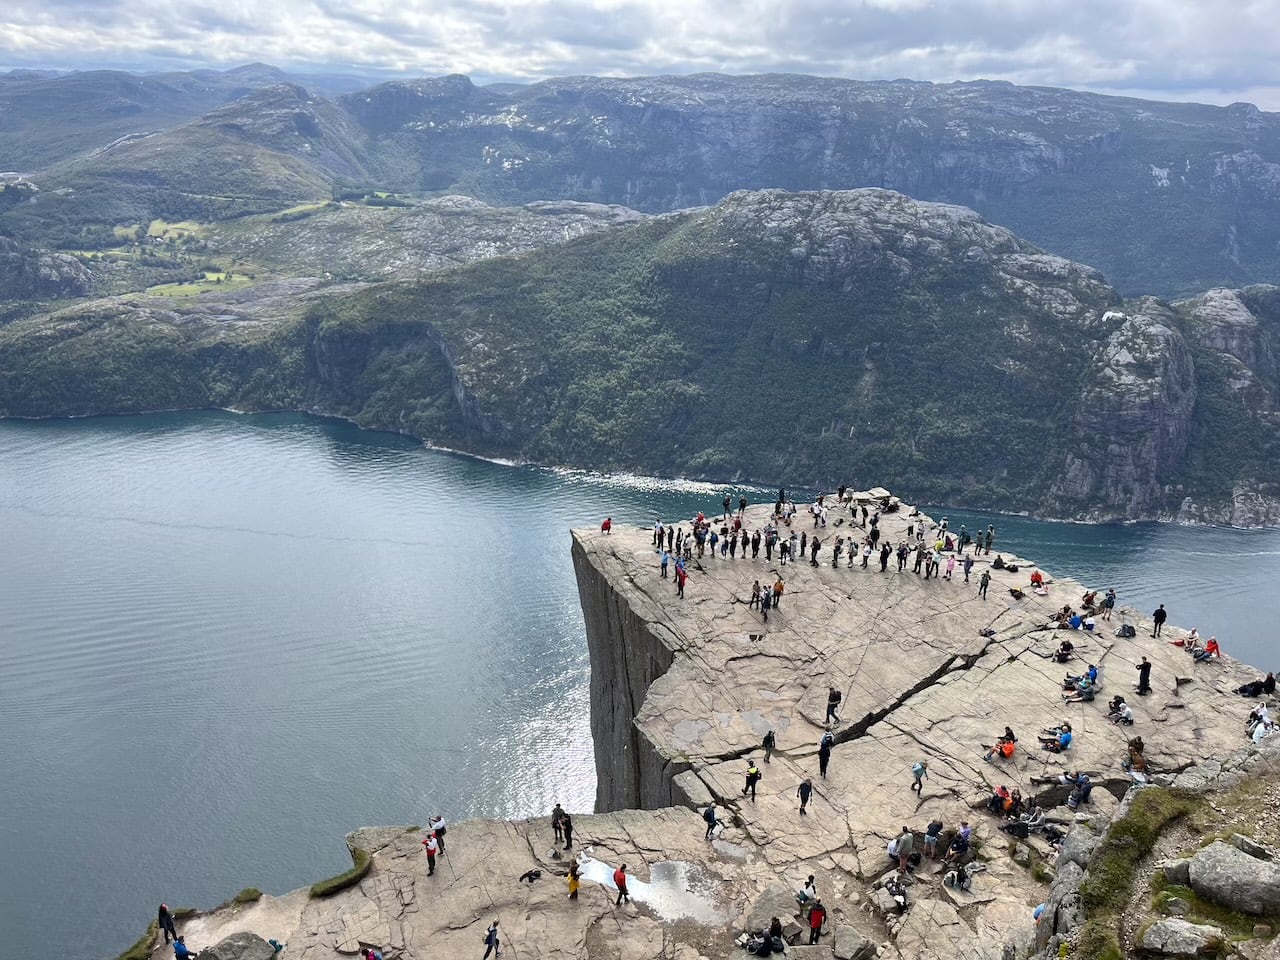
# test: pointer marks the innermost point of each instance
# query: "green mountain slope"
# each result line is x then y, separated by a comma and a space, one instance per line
825, 337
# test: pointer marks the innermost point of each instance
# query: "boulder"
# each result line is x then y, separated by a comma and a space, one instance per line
775, 900
1175, 937
848, 944
1250, 846
1178, 871
1230, 877
1177, 907
1078, 845
239, 946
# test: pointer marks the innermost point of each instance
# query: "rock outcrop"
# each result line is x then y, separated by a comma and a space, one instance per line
27, 274
683, 691
1175, 937
1227, 875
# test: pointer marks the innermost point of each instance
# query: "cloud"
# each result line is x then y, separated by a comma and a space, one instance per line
1176, 49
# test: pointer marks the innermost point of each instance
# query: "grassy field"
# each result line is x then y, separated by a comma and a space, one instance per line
164, 230
192, 288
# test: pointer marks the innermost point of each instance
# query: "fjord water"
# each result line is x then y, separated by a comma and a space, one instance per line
227, 641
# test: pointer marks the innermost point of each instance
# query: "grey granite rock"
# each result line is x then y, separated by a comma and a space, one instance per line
1175, 937
1228, 876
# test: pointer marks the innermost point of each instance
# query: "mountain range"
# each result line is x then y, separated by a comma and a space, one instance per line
773, 278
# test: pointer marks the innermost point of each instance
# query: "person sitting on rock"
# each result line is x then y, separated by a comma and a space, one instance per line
1059, 741
1090, 601
1004, 746
957, 849
1072, 680
1065, 649
1211, 651
1256, 716
997, 802
1134, 762
808, 892
1037, 579
1119, 712
181, 951
1084, 692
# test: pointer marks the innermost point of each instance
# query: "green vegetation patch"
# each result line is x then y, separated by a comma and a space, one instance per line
1106, 891
192, 288
1236, 925
141, 949
361, 861
248, 895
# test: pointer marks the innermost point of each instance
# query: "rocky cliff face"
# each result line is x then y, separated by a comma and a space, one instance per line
1133, 417
1131, 168
27, 274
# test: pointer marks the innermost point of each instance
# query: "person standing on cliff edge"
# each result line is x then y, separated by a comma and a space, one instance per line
1157, 619
432, 846
566, 825
1144, 677
165, 921
557, 821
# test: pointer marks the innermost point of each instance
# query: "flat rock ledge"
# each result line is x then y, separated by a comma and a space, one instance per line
683, 691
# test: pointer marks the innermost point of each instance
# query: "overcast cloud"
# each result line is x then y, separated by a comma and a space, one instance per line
1174, 49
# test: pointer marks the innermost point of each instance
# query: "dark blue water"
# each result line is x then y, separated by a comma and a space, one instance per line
227, 641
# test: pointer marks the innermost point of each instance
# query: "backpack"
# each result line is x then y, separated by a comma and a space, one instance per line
709, 814
828, 740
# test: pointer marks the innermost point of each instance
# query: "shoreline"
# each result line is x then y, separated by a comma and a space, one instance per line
589, 471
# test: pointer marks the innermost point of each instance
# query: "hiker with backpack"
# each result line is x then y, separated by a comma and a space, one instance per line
709, 815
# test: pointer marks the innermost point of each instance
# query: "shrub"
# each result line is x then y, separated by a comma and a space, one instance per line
141, 949
248, 895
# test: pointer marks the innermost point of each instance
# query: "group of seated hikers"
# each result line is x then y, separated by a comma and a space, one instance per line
1083, 687
1067, 618
1119, 712
1056, 739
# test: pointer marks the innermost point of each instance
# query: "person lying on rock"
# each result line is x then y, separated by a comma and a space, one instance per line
1256, 688
181, 951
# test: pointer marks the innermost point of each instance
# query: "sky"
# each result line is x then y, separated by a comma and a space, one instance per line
1205, 50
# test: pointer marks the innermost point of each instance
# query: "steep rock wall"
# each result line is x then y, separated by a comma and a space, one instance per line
628, 653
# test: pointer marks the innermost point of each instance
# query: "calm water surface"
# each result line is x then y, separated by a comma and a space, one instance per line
225, 642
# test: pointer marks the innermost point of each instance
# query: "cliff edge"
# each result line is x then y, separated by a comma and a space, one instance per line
683, 691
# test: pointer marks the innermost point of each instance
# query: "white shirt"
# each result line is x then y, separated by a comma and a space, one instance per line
437, 823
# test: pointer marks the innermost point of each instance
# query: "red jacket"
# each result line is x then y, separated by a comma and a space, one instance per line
817, 916
620, 879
